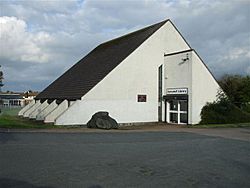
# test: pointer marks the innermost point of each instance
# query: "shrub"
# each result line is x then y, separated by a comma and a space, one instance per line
246, 107
222, 112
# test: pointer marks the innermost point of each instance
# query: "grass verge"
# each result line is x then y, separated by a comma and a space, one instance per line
8, 121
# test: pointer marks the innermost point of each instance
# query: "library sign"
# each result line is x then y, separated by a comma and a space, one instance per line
177, 91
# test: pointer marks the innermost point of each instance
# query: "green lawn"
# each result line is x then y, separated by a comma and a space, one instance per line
9, 111
9, 119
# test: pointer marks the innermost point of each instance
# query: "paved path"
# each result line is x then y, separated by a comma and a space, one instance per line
232, 133
124, 159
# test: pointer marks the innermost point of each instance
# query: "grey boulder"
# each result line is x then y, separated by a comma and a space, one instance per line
102, 120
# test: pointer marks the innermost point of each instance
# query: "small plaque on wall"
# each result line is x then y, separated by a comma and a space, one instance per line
141, 98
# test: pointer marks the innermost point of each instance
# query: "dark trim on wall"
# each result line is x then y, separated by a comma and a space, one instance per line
175, 97
165, 111
188, 110
160, 80
179, 52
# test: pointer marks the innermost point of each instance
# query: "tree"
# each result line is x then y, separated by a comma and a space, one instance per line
1, 79
237, 89
234, 107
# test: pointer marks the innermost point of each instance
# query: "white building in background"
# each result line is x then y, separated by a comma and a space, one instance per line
149, 75
16, 99
11, 100
29, 96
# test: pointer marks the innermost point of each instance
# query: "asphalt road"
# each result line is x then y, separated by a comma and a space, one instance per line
133, 159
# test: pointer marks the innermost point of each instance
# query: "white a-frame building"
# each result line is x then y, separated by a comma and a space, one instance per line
149, 75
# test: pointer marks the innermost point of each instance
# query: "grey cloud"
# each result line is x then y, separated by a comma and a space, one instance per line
32, 76
215, 29
217, 32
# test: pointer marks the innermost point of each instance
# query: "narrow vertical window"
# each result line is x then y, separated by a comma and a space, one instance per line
160, 93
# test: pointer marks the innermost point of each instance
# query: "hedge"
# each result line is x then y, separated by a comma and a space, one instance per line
222, 112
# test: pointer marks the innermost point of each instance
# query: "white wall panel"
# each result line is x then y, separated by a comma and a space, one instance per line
51, 117
24, 109
124, 111
38, 110
31, 109
52, 106
204, 87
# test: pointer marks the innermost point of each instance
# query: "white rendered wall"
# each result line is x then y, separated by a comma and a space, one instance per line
123, 111
51, 117
34, 110
24, 109
194, 75
22, 103
204, 87
137, 74
31, 109
38, 110
178, 74
46, 111
173, 41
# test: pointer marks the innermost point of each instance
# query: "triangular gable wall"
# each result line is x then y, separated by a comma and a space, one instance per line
139, 70
137, 74
204, 87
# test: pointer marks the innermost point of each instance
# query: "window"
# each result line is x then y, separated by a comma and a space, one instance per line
160, 93
183, 118
183, 105
174, 117
173, 105
178, 111
160, 84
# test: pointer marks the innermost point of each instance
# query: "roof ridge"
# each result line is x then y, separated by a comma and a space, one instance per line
133, 32
80, 78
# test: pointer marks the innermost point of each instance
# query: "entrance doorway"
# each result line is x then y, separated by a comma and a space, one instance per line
176, 105
178, 111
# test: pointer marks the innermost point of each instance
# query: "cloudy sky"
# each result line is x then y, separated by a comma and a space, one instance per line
40, 39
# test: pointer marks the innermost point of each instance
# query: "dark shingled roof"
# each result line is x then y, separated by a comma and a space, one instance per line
91, 69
